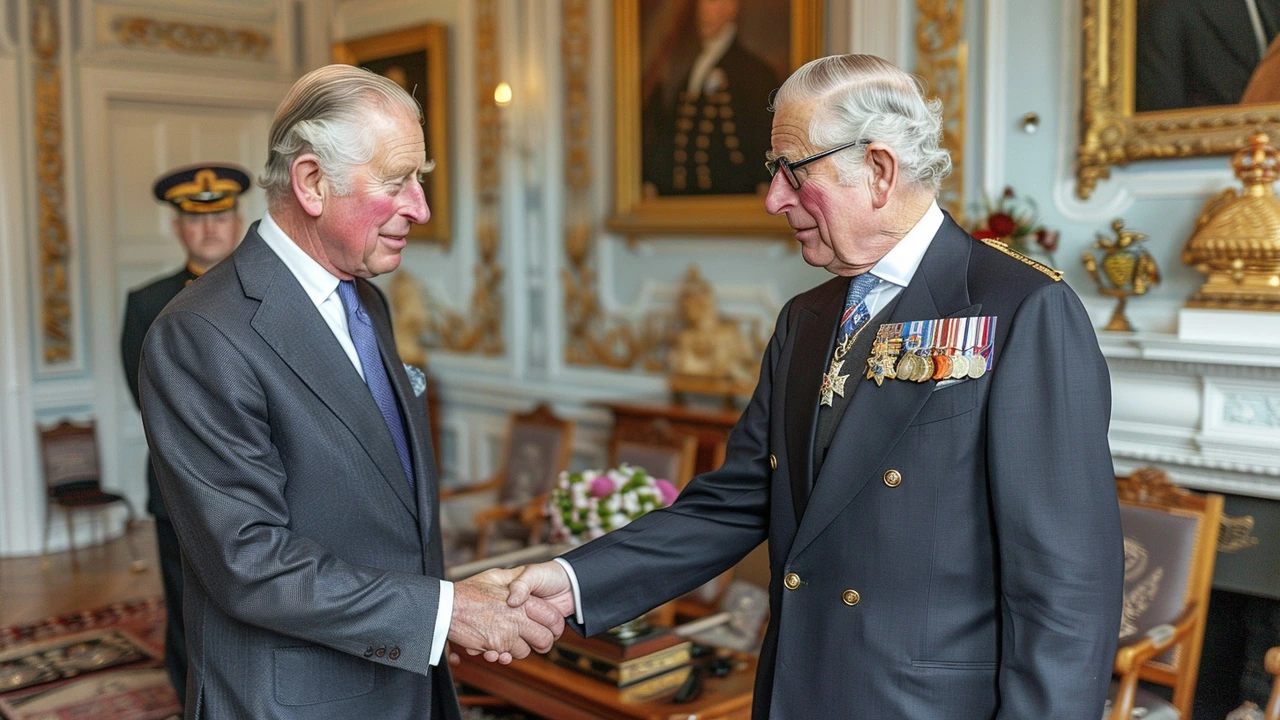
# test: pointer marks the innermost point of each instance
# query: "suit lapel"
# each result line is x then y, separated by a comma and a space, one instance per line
815, 338
412, 407
878, 416
289, 322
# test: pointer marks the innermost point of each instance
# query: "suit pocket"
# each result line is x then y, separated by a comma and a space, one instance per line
953, 665
947, 401
311, 674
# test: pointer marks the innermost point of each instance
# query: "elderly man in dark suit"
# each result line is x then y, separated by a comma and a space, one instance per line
925, 453
292, 448
208, 224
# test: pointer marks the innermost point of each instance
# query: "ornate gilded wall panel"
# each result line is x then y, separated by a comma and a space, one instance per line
56, 338
943, 64
181, 37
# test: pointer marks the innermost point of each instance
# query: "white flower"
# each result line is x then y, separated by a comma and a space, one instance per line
618, 520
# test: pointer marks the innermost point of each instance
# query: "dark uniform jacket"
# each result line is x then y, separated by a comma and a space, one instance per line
730, 124
141, 309
960, 552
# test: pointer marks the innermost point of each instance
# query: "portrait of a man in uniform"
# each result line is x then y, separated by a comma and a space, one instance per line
707, 69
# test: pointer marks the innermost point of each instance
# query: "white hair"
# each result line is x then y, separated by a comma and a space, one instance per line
327, 113
863, 97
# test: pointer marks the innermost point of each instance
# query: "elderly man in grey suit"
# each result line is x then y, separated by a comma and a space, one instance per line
926, 451
291, 443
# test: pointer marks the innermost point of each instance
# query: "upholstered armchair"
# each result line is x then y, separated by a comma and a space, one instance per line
498, 515
1170, 539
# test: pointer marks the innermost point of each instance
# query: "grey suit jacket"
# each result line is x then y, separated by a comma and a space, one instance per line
311, 568
988, 580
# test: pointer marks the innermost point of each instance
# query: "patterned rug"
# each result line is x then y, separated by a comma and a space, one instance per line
105, 664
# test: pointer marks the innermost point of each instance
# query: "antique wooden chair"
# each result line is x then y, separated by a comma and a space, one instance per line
1170, 540
1273, 666
538, 447
72, 480
656, 447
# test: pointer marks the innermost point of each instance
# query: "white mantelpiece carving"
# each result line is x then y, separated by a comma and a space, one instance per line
1208, 413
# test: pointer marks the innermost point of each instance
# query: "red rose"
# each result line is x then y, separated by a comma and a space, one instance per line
1047, 239
1008, 192
985, 235
1002, 225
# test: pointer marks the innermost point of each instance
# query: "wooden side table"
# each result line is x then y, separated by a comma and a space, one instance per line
543, 688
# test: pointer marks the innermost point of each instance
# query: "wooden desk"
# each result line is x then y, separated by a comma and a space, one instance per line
710, 426
539, 686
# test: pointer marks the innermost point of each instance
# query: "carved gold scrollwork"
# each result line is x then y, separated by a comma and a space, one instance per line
943, 64
479, 330
1112, 134
55, 246
192, 39
1236, 534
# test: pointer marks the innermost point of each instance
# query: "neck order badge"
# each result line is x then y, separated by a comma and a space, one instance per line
855, 317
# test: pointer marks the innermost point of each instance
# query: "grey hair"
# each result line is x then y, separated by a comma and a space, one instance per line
326, 112
864, 97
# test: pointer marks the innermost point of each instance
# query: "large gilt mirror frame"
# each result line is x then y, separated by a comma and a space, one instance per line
1111, 133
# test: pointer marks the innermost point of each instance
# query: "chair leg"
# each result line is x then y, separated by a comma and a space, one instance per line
48, 524
136, 564
71, 537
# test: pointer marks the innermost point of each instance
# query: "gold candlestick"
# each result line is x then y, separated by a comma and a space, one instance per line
1127, 270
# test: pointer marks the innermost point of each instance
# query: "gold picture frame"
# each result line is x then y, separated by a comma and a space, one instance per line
417, 58
640, 207
1112, 133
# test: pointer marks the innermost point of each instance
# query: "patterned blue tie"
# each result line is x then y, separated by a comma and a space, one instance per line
375, 375
856, 313
855, 316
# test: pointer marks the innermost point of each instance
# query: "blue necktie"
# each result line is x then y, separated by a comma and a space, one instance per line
375, 375
856, 313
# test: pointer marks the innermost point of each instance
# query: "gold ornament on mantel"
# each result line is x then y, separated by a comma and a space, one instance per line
1127, 270
1237, 237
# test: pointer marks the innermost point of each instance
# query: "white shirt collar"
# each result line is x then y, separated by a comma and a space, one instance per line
899, 265
318, 283
712, 51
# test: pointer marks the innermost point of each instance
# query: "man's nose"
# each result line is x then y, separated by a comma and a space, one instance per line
417, 210
781, 197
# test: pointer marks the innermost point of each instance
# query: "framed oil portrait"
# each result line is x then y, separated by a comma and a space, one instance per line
1174, 78
693, 80
417, 60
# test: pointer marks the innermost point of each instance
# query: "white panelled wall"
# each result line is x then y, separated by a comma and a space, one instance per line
129, 112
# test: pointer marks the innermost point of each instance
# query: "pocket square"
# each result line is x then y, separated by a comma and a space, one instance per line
417, 379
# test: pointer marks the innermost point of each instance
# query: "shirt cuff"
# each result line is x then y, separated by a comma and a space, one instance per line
444, 616
577, 594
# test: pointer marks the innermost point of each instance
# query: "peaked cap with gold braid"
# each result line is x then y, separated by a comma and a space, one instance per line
202, 188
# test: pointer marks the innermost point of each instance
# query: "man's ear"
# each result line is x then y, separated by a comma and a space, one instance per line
882, 173
309, 185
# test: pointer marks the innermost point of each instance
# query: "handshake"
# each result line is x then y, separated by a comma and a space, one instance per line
505, 614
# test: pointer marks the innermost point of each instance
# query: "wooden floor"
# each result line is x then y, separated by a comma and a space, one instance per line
31, 590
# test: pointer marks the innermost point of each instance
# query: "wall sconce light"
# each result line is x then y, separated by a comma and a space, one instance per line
502, 94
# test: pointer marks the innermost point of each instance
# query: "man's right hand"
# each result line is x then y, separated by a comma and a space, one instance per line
482, 622
548, 581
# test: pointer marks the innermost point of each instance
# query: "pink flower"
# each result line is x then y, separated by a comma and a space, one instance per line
667, 490
602, 487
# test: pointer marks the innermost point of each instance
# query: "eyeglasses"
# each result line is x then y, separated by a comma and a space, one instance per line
789, 168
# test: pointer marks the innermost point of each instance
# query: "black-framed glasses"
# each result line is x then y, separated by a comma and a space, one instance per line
789, 168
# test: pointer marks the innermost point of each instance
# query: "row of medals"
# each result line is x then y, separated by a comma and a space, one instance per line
923, 366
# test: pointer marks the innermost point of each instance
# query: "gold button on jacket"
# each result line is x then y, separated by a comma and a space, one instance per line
791, 581
851, 597
773, 462
892, 478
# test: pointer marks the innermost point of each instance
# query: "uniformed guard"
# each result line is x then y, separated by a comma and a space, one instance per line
208, 225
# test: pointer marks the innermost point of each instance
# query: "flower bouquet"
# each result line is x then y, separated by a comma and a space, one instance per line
586, 505
1014, 221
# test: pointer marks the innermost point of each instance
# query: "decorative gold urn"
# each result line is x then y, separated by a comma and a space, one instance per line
1127, 270
1237, 237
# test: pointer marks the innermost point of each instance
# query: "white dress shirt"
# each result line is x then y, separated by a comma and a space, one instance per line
895, 271
322, 287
